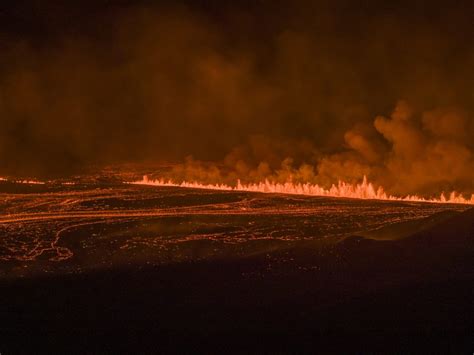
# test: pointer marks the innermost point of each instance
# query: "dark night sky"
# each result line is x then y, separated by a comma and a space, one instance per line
247, 82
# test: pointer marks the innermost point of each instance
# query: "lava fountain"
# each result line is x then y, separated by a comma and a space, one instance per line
364, 190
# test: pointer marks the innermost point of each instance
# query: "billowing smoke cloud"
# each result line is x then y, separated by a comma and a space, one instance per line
424, 152
407, 153
281, 91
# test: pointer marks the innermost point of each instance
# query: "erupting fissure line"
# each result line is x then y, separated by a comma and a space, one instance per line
364, 190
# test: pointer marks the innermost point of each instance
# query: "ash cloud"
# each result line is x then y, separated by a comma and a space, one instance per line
298, 90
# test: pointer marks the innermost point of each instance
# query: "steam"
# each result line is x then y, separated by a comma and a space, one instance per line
407, 153
425, 151
294, 95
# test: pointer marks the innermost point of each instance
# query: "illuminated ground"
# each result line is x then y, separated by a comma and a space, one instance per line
166, 268
69, 229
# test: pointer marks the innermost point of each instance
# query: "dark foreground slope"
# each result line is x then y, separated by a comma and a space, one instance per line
359, 295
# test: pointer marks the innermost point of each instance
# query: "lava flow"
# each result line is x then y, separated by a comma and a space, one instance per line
364, 190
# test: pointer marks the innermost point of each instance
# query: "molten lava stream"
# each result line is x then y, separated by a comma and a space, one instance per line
364, 190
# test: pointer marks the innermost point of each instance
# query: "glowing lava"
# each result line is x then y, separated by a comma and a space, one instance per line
24, 181
364, 190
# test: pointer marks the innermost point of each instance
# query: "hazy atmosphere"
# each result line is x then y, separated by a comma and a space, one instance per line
248, 176
303, 90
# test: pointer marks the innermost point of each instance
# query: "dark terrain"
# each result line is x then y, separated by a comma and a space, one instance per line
402, 281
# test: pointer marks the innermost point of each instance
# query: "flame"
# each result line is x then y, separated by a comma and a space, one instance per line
364, 190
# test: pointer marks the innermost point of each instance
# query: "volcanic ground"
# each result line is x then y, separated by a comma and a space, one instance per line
112, 265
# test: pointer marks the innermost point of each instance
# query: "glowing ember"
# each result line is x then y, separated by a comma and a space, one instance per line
25, 181
364, 190
33, 181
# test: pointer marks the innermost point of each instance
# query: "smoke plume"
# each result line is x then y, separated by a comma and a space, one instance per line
302, 91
